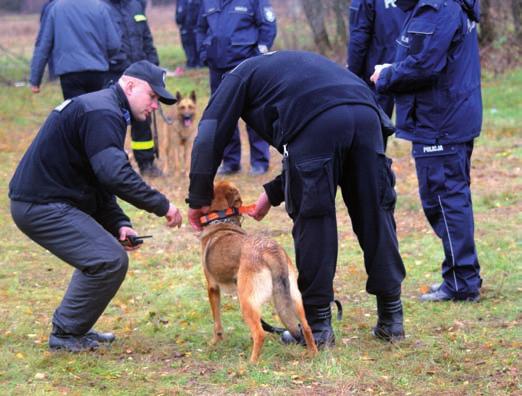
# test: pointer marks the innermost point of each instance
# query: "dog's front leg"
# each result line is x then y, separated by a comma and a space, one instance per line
214, 298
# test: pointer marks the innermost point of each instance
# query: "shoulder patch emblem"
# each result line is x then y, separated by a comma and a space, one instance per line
269, 14
62, 106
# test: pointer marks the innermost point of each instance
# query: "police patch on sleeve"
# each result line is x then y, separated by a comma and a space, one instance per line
269, 14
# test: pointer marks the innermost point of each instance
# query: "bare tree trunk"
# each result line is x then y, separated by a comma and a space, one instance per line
487, 27
516, 6
315, 13
340, 8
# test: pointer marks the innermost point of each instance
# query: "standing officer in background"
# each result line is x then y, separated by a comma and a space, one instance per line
187, 12
436, 80
136, 38
374, 27
79, 38
328, 126
228, 33
63, 196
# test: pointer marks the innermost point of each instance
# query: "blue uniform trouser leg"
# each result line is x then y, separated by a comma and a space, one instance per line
188, 41
351, 156
443, 172
259, 150
76, 238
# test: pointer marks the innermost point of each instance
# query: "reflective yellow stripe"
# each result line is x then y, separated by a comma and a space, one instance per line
140, 18
146, 145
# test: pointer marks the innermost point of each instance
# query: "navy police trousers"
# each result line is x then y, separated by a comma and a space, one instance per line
443, 172
342, 147
99, 260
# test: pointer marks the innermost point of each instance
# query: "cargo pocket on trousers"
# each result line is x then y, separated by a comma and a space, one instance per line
318, 190
388, 196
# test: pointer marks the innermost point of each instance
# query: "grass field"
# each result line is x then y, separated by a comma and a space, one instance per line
162, 318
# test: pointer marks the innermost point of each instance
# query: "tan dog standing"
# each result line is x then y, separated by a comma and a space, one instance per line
257, 267
177, 134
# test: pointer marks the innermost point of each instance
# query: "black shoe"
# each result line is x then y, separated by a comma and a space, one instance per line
440, 295
59, 340
390, 322
258, 170
101, 337
228, 169
150, 170
320, 321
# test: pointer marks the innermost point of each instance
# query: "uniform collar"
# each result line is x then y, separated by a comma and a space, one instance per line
123, 103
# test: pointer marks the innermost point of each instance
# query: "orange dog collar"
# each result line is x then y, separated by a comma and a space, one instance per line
223, 214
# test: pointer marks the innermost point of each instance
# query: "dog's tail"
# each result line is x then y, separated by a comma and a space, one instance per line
282, 288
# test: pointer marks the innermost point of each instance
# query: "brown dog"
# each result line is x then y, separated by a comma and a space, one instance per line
177, 134
257, 267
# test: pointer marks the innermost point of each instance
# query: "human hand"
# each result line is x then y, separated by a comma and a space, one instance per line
377, 72
173, 216
35, 89
262, 207
124, 232
194, 215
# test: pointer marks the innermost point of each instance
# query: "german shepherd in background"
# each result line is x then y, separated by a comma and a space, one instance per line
257, 267
178, 133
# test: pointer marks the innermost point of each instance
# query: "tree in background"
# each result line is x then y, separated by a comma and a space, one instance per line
318, 13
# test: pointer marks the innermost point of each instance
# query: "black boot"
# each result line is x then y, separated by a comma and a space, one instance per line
150, 169
101, 337
320, 321
390, 323
59, 339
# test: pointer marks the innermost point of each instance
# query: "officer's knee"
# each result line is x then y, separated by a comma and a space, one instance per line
118, 265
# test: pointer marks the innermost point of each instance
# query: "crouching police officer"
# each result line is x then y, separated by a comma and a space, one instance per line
328, 126
63, 196
436, 80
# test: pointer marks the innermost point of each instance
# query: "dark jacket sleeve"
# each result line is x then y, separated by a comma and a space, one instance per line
362, 17
266, 21
426, 58
181, 12
109, 214
274, 190
148, 46
115, 174
112, 36
201, 33
42, 50
214, 132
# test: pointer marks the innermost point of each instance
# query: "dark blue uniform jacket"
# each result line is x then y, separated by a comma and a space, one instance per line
77, 158
187, 12
136, 38
76, 36
277, 94
229, 31
374, 27
436, 73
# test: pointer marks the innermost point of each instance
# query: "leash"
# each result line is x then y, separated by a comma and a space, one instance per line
155, 136
165, 118
224, 214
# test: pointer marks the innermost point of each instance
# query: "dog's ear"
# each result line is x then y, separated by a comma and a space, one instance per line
193, 96
178, 96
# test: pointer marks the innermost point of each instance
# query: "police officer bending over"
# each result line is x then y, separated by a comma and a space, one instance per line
327, 124
436, 80
63, 196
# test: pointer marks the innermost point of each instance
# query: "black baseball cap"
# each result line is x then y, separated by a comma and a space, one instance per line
155, 76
